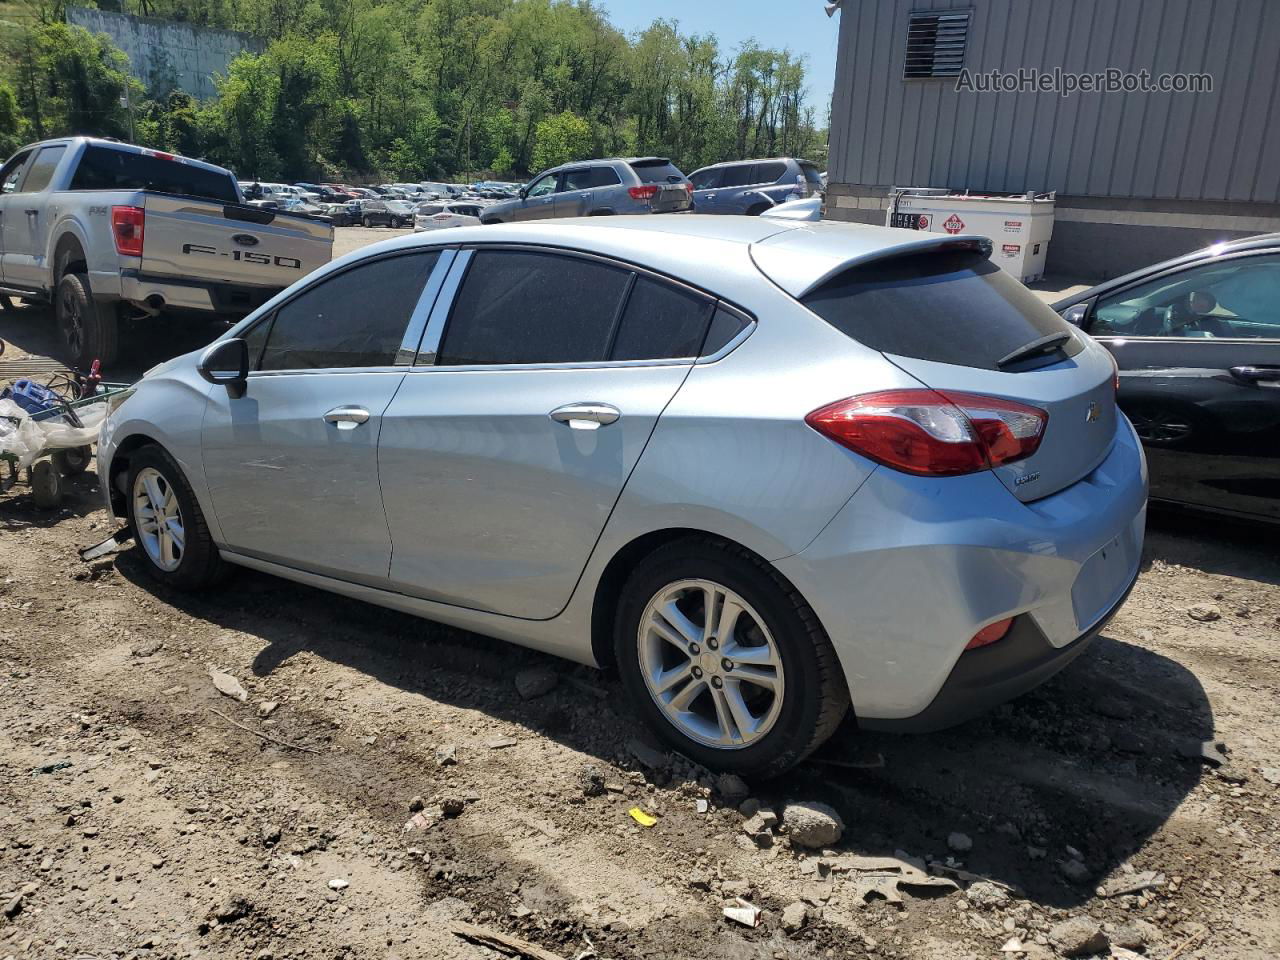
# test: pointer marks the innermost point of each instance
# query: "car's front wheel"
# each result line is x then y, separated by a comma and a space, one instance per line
725, 660
168, 523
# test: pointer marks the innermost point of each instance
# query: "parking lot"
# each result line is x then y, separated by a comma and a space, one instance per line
273, 771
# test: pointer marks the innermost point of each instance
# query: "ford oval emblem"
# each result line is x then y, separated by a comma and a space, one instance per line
245, 239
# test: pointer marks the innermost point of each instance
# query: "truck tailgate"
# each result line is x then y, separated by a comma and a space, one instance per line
229, 243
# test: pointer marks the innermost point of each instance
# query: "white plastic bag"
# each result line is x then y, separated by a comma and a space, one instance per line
28, 438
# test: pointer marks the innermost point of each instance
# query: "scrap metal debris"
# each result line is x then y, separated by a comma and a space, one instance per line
1134, 883
743, 912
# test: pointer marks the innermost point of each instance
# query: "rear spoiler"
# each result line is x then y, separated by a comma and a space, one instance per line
801, 260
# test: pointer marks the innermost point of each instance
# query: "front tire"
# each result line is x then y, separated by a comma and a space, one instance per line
87, 332
367, 221
170, 528
754, 687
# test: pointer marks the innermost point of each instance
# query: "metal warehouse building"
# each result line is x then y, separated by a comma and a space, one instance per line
1140, 176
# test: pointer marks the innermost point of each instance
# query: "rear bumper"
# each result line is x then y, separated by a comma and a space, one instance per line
206, 296
987, 677
912, 567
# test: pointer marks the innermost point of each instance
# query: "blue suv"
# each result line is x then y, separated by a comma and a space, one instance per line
753, 186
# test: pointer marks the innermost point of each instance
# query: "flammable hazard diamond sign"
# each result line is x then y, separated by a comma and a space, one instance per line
953, 224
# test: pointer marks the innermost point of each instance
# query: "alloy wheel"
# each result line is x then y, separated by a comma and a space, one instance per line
72, 322
710, 664
158, 518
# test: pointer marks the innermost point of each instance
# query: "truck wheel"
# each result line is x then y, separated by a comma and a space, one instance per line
87, 333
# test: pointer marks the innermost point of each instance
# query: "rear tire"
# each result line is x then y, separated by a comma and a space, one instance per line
774, 659
367, 222
87, 332
167, 522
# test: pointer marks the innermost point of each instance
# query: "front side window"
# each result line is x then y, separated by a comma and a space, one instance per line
520, 306
543, 187
1231, 299
40, 173
356, 318
11, 172
705, 179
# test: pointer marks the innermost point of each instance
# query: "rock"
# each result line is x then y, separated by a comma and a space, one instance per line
270, 834
1076, 871
536, 682
813, 825
1135, 935
985, 895
732, 788
701, 805
736, 888
794, 916
232, 908
749, 807
228, 686
1114, 708
1078, 937
1204, 612
649, 756
592, 781
416, 804
1271, 775
699, 881
1212, 752
446, 755
959, 842
452, 806
500, 743
337, 883
267, 707
146, 648
14, 906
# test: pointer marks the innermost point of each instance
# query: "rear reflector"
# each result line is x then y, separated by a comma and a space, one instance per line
989, 634
647, 192
126, 227
932, 433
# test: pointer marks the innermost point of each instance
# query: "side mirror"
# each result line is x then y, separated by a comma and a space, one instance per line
523, 193
1076, 313
226, 362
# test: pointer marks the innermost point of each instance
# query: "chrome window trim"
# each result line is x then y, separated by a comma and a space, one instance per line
417, 328
325, 371
434, 332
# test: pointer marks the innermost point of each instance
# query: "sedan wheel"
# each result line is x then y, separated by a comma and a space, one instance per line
159, 519
710, 664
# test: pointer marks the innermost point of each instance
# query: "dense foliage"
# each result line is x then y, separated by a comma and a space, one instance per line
412, 88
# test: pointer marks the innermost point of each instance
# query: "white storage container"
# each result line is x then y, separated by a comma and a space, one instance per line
1019, 227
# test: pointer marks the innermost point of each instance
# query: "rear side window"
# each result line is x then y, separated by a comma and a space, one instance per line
41, 170
768, 172
526, 307
354, 319
812, 174
657, 171
956, 307
739, 175
576, 179
604, 177
102, 168
661, 321
725, 325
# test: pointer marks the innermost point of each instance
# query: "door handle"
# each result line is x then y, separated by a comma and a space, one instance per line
347, 418
586, 416
1266, 376
33, 213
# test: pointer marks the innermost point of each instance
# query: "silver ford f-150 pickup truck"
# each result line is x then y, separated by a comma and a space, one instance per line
108, 231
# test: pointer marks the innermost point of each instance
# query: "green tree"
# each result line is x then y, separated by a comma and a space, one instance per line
560, 138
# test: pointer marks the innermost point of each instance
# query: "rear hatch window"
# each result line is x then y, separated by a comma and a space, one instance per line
657, 170
102, 168
952, 307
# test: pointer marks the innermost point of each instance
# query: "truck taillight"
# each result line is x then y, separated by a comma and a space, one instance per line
126, 227
647, 192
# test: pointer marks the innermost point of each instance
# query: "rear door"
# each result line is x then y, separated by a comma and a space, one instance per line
292, 465
1199, 356
573, 198
509, 443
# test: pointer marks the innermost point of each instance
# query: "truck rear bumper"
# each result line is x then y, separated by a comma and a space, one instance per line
180, 293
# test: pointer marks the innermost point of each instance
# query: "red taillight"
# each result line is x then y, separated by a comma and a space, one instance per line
126, 227
990, 634
688, 188
646, 193
933, 433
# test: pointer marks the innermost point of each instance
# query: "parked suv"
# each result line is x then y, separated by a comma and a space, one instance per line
753, 186
594, 188
391, 212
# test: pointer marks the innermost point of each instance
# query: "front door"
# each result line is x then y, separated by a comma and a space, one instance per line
502, 461
1199, 357
27, 217
292, 466
539, 200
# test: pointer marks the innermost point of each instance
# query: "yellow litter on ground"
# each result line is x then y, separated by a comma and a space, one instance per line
642, 818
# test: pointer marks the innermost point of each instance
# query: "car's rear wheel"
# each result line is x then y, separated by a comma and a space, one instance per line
88, 332
367, 221
725, 660
395, 223
169, 526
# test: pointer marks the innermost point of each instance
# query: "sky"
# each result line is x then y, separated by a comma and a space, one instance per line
799, 25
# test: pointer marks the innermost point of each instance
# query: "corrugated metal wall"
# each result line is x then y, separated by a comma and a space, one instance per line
1223, 145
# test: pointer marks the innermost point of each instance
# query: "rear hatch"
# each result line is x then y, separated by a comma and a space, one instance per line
673, 191
229, 242
957, 323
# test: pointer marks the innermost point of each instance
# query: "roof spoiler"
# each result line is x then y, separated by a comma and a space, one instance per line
799, 261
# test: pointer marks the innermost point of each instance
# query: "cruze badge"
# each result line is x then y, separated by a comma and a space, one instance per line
1093, 413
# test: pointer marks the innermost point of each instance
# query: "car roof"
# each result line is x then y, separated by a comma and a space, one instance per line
1262, 241
796, 256
738, 163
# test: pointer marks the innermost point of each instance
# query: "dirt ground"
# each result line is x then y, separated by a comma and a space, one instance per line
144, 813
